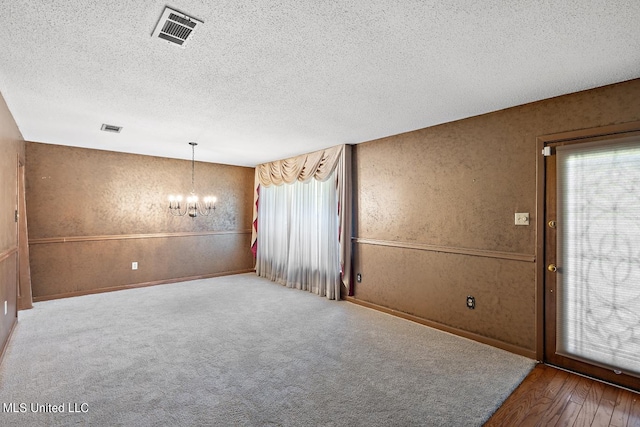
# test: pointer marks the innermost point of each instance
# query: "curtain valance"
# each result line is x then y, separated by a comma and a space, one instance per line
318, 165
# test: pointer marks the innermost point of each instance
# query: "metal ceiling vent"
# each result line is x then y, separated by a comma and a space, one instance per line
111, 128
175, 27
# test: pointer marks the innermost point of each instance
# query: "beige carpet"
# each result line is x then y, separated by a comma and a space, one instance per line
242, 351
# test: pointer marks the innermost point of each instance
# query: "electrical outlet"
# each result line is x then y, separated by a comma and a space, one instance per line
359, 278
134, 265
471, 302
522, 218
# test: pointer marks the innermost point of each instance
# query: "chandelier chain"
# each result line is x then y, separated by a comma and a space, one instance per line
193, 167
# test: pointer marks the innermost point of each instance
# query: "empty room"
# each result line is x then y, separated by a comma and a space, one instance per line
363, 213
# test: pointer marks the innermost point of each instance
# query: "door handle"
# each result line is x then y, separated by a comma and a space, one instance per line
552, 268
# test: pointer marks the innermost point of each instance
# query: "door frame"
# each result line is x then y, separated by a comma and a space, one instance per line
541, 142
24, 294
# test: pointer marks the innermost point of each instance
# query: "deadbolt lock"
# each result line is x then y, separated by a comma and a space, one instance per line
552, 224
552, 268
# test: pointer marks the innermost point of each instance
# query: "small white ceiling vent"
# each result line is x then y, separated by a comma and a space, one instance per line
175, 27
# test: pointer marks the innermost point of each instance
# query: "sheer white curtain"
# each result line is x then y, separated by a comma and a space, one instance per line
274, 219
298, 235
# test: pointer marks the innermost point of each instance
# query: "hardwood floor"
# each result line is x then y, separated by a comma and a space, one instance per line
553, 397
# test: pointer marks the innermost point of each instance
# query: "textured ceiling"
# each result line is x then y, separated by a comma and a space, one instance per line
268, 79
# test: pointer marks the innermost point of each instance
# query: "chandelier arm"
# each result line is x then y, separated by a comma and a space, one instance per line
175, 209
204, 210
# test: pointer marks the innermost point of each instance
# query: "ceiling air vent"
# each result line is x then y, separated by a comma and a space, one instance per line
111, 128
175, 27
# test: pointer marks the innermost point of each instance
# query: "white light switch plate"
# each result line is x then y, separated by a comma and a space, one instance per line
522, 218
134, 265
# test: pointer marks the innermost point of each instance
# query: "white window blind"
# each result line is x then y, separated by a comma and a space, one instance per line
598, 318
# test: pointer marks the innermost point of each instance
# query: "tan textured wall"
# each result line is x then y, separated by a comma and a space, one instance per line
11, 146
458, 186
80, 194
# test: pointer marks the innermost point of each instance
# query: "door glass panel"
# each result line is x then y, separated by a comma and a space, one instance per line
598, 310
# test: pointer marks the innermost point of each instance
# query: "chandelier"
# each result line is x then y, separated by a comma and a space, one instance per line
192, 207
